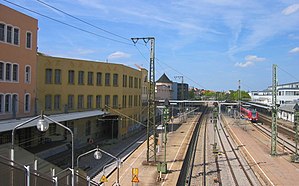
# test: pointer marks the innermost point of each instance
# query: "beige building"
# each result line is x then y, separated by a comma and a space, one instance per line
164, 88
71, 85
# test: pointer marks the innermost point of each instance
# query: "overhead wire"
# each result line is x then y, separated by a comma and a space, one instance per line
81, 20
178, 72
291, 75
67, 24
98, 35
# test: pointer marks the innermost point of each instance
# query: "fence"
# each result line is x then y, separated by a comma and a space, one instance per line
15, 174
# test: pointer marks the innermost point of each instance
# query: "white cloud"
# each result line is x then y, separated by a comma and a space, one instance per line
244, 64
118, 54
294, 50
250, 60
254, 58
290, 9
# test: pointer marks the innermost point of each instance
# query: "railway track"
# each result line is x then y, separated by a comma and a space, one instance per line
236, 167
282, 128
284, 140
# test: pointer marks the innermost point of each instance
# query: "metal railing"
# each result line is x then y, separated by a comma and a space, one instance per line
15, 174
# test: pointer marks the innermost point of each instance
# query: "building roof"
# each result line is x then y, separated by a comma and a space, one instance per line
164, 79
7, 125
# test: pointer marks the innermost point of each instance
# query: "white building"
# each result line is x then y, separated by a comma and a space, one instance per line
286, 94
287, 97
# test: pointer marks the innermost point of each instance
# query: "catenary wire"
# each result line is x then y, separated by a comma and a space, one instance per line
69, 25
81, 20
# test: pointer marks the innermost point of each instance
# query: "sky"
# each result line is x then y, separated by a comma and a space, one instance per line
211, 43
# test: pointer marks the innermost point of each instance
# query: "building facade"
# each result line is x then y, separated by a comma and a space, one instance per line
286, 94
163, 88
71, 85
18, 45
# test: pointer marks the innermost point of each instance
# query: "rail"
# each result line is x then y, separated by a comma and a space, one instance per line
186, 170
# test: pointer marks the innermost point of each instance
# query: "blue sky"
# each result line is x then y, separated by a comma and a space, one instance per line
212, 43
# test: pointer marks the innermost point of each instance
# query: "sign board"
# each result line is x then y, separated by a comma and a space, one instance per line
135, 175
135, 179
134, 172
103, 179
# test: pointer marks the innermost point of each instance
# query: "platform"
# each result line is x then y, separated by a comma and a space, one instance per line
147, 174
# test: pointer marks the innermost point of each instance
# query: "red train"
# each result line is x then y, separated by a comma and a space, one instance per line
250, 114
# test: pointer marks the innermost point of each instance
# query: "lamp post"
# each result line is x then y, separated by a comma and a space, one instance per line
12, 152
97, 155
40, 126
43, 125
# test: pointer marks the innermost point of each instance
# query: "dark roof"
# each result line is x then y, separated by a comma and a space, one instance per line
164, 79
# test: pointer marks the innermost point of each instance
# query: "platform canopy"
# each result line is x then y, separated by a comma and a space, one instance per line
7, 125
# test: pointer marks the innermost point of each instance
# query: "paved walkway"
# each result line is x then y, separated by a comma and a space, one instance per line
176, 147
273, 170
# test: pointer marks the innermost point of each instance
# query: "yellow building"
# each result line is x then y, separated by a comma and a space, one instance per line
68, 86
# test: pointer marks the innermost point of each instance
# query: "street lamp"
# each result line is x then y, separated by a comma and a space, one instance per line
43, 125
98, 155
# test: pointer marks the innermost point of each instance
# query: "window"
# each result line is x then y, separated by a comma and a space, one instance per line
125, 83
89, 101
81, 78
1, 103
28, 39
27, 74
14, 105
115, 101
15, 72
130, 101
88, 128
1, 71
139, 102
99, 78
99, 101
27, 103
48, 76
2, 32
57, 102
8, 72
48, 100
124, 101
130, 82
7, 103
107, 79
90, 78
139, 83
107, 100
115, 80
70, 101
9, 34
80, 102
135, 82
16, 36
135, 100
71, 77
57, 76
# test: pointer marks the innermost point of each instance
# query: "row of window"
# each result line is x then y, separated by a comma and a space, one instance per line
54, 102
11, 34
9, 72
288, 93
9, 103
54, 76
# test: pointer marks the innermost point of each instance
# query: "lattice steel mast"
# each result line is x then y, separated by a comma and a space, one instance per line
151, 123
274, 111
